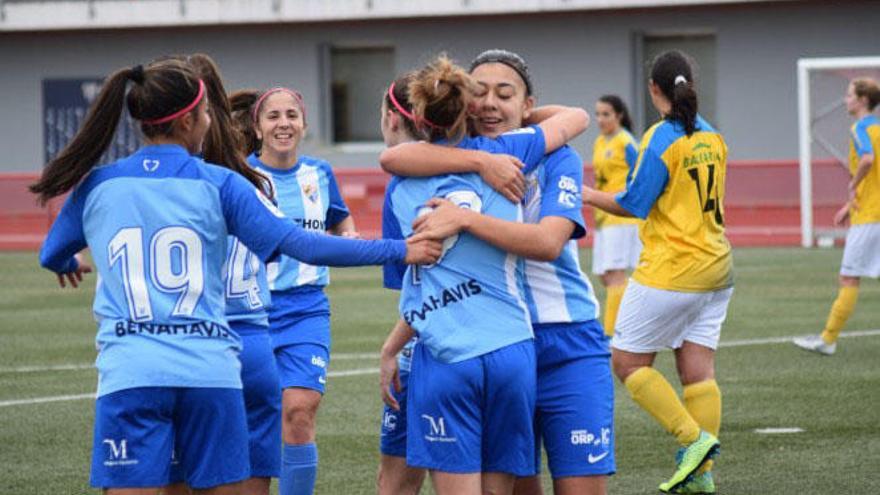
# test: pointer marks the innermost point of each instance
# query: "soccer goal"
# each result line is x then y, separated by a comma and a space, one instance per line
823, 137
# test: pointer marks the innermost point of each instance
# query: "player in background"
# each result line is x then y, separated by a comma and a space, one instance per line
299, 318
156, 223
394, 477
616, 245
575, 391
861, 255
247, 300
678, 295
470, 397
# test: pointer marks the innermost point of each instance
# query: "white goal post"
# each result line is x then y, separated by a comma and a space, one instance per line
805, 128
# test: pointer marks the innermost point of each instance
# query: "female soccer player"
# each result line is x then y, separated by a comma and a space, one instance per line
299, 318
861, 256
616, 244
157, 223
467, 310
247, 300
679, 293
575, 388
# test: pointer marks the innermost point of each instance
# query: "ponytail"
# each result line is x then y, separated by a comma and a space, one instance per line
441, 94
672, 72
224, 145
78, 158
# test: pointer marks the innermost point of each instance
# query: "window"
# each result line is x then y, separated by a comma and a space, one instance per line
699, 46
358, 76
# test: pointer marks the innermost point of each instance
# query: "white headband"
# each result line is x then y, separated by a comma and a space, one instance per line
680, 80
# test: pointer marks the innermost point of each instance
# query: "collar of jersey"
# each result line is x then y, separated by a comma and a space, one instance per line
869, 119
164, 149
278, 171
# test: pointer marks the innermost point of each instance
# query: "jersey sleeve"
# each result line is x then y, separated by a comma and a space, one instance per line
562, 191
861, 140
631, 154
66, 237
252, 218
527, 144
392, 272
648, 182
338, 210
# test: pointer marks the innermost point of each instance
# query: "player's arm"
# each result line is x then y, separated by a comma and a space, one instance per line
502, 172
252, 218
65, 239
541, 242
560, 124
345, 228
866, 161
389, 372
865, 150
339, 219
648, 183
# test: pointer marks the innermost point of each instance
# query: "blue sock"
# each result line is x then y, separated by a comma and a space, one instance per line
299, 468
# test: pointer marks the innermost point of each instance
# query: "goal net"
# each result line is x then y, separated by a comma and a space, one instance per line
823, 140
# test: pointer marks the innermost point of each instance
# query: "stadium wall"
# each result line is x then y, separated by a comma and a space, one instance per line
761, 205
575, 57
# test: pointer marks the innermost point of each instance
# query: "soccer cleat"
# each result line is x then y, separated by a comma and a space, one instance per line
705, 447
815, 343
700, 484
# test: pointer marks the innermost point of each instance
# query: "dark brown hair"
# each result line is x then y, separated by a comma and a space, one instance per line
401, 95
619, 107
441, 94
241, 103
224, 145
672, 72
158, 90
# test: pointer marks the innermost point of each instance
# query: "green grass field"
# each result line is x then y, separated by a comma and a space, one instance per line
45, 447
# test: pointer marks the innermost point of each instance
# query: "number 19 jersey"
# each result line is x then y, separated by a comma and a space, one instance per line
678, 187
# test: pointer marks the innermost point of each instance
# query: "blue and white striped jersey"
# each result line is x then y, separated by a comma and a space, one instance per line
558, 291
247, 289
308, 194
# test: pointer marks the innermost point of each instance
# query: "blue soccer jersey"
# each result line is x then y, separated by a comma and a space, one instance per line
247, 289
308, 194
469, 303
558, 291
157, 223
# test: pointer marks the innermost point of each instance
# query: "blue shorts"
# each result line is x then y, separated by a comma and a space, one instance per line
140, 432
475, 415
575, 406
300, 316
262, 401
393, 438
303, 366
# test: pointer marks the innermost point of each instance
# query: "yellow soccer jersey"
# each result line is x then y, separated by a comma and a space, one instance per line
613, 162
865, 140
678, 188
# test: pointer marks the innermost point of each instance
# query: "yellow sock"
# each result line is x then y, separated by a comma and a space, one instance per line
613, 295
703, 402
841, 309
654, 394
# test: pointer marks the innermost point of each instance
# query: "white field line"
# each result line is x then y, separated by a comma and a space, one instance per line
372, 371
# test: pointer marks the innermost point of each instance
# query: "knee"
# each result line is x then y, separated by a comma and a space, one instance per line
299, 422
622, 369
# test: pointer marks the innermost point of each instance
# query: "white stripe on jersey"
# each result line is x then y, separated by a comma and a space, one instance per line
513, 287
313, 208
572, 249
547, 292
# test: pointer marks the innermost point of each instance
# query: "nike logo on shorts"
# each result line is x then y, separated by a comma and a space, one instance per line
594, 459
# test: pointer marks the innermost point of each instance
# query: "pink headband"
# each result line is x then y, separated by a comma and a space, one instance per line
182, 111
404, 112
296, 96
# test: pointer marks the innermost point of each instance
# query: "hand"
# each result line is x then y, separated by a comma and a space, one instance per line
422, 251
585, 190
504, 174
389, 376
75, 277
350, 234
446, 219
841, 215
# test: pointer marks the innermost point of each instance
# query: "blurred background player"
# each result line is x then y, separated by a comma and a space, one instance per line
460, 386
861, 255
167, 360
678, 295
299, 318
616, 244
575, 391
